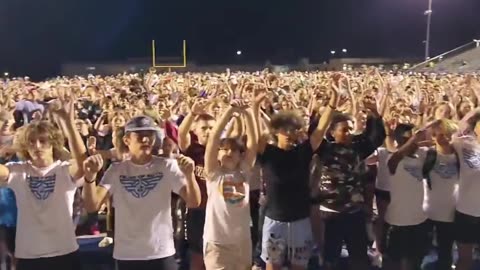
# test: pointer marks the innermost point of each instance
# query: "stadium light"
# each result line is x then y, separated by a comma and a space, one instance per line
428, 13
332, 52
6, 74
344, 51
477, 42
239, 52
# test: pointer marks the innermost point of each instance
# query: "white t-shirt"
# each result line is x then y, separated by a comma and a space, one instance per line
227, 219
142, 199
441, 198
468, 201
407, 192
45, 206
382, 182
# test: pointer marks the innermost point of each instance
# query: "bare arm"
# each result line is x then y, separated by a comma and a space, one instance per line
190, 192
99, 126
184, 138
252, 140
236, 129
319, 133
93, 195
77, 148
397, 156
211, 151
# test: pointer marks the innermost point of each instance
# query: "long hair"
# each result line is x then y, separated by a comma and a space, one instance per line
24, 135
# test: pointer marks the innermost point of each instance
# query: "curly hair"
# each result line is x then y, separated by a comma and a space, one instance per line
25, 134
286, 119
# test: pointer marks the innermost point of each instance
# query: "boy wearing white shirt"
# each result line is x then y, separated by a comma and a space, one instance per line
406, 230
467, 215
44, 188
142, 189
441, 169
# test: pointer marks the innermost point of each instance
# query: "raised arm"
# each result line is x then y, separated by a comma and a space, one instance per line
252, 139
190, 193
319, 133
184, 138
211, 151
260, 95
93, 195
404, 150
78, 151
99, 126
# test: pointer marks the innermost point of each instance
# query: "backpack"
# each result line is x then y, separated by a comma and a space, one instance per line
429, 163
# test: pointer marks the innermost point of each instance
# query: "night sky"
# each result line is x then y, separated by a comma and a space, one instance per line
38, 35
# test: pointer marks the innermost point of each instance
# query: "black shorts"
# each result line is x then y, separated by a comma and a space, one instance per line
407, 242
69, 261
7, 235
467, 228
350, 228
382, 195
195, 223
167, 263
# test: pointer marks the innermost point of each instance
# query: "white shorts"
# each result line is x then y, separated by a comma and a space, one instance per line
287, 240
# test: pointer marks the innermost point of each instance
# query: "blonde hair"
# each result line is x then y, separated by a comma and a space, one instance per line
24, 135
446, 125
445, 103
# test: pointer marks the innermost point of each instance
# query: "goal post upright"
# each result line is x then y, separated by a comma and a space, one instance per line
184, 57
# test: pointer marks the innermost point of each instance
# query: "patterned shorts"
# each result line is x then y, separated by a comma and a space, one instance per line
291, 241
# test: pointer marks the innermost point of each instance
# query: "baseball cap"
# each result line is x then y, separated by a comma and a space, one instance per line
141, 123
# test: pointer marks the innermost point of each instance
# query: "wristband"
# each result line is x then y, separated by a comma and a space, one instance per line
89, 182
331, 107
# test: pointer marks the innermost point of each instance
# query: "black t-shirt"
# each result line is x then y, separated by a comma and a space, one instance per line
286, 174
196, 152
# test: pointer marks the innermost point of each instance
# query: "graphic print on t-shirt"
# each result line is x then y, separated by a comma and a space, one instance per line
139, 186
233, 192
446, 170
41, 186
414, 171
472, 158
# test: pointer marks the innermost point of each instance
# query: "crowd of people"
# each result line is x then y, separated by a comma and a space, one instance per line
242, 170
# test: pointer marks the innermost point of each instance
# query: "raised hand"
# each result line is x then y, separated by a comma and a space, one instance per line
185, 164
239, 105
259, 94
199, 106
335, 90
92, 145
92, 165
37, 116
64, 107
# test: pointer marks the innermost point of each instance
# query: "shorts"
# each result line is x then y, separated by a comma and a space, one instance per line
467, 228
7, 235
69, 261
195, 223
167, 263
348, 228
234, 257
287, 241
382, 195
407, 242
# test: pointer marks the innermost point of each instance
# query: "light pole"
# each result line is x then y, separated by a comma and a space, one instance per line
428, 13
